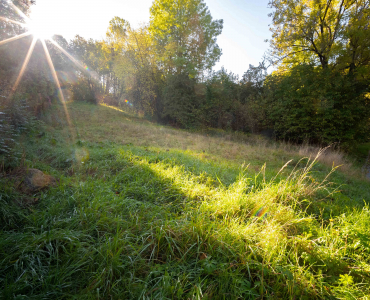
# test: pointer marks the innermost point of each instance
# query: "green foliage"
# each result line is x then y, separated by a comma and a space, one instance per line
32, 97
15, 119
221, 93
7, 134
86, 85
250, 111
185, 36
34, 93
135, 67
179, 100
180, 42
82, 91
327, 104
9, 29
333, 34
219, 102
308, 104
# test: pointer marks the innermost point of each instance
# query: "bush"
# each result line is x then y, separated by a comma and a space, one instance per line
322, 107
83, 90
179, 101
14, 119
7, 134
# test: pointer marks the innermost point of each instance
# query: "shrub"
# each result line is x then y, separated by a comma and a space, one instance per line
83, 90
14, 119
308, 104
179, 100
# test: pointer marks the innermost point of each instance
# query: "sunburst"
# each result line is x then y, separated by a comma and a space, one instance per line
40, 32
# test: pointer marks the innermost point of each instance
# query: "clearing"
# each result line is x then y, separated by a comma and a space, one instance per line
143, 211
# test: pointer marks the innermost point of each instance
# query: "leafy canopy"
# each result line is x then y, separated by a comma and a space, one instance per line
331, 33
185, 36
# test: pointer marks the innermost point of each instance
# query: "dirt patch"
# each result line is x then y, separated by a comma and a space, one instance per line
30, 181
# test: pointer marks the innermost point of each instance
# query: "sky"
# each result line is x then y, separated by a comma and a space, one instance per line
242, 38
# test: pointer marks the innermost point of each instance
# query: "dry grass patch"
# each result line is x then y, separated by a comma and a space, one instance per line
122, 128
329, 158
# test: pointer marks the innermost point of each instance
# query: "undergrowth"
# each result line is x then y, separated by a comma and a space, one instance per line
141, 220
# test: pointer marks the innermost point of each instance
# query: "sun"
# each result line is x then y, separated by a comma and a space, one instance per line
40, 29
41, 23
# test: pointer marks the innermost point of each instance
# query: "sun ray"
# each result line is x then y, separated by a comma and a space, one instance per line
25, 63
21, 13
14, 38
12, 21
80, 65
54, 74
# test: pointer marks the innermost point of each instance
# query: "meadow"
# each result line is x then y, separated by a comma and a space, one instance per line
144, 211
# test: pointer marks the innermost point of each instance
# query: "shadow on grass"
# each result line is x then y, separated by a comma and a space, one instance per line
122, 226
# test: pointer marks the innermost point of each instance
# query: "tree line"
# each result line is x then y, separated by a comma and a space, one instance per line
318, 91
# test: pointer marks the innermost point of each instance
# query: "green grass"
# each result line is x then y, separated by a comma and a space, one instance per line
143, 211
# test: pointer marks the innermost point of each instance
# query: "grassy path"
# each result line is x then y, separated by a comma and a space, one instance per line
144, 211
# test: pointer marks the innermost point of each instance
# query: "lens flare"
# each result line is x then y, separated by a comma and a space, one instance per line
21, 13
25, 63
54, 74
12, 21
17, 37
81, 155
260, 212
75, 61
41, 31
128, 102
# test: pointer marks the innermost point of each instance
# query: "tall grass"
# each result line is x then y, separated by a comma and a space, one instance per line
141, 221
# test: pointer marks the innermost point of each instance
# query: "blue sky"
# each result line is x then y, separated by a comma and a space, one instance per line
242, 39
245, 29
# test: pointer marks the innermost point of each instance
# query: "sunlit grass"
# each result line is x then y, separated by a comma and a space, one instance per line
121, 127
159, 213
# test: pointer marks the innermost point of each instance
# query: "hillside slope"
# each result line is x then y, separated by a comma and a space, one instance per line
143, 211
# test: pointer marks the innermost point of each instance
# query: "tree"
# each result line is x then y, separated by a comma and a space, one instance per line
318, 106
221, 95
321, 91
185, 36
135, 65
19, 105
95, 64
179, 100
250, 112
7, 12
356, 51
330, 32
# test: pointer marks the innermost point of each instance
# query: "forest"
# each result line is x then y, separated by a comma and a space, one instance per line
168, 179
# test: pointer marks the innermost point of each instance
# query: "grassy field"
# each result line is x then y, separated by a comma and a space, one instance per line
143, 211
